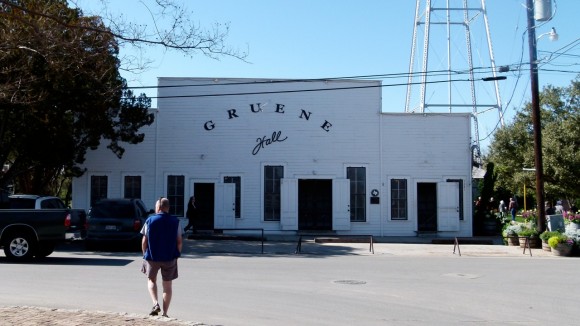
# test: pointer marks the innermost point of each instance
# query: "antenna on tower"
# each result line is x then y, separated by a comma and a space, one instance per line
448, 24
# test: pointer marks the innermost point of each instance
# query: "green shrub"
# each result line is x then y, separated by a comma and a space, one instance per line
557, 239
527, 232
553, 241
548, 234
511, 230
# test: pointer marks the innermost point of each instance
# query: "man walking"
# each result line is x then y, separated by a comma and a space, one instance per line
162, 243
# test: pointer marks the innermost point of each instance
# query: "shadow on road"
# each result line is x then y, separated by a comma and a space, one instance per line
81, 261
201, 248
195, 248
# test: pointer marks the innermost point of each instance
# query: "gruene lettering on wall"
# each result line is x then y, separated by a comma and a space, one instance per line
262, 142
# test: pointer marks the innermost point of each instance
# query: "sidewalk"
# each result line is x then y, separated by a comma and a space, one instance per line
32, 316
405, 247
392, 246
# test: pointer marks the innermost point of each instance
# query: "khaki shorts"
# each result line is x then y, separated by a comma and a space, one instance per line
168, 269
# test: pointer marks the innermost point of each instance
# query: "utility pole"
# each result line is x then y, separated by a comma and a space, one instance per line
536, 120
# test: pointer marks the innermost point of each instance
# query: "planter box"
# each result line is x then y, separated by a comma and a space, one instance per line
546, 246
512, 241
562, 250
533, 242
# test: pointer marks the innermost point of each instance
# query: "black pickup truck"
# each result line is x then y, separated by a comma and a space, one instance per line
76, 224
31, 225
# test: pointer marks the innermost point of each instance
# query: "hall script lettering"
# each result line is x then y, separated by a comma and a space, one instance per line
264, 141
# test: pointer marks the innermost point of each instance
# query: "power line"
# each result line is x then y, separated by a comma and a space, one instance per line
558, 53
561, 53
484, 70
559, 70
308, 90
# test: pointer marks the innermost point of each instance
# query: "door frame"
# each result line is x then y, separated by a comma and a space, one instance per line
192, 182
330, 183
416, 201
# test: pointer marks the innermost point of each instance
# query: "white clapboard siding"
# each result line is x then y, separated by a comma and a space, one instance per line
317, 135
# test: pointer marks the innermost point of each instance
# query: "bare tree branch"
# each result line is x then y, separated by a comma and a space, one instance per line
182, 35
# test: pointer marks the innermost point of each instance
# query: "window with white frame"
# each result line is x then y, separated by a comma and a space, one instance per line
176, 194
399, 200
358, 193
99, 185
132, 186
273, 175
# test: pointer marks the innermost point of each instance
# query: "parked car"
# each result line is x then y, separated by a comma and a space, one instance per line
116, 221
76, 221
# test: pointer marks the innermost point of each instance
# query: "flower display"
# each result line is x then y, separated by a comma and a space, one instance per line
571, 217
560, 239
530, 216
512, 230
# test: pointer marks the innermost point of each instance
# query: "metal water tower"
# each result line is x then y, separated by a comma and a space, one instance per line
447, 80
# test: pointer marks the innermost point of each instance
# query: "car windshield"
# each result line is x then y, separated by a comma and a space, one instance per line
113, 210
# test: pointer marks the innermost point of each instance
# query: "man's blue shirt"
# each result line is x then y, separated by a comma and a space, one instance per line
161, 230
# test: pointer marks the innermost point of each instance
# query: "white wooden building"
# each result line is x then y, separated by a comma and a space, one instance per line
290, 156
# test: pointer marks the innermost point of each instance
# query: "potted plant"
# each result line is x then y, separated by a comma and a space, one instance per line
545, 236
571, 220
574, 236
510, 234
530, 216
561, 245
529, 232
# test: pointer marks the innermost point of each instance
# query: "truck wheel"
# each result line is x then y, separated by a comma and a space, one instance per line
44, 250
90, 245
19, 247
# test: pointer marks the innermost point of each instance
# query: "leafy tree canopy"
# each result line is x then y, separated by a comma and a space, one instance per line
61, 92
512, 148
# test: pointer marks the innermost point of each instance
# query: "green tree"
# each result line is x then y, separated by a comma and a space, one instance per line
512, 148
561, 141
61, 92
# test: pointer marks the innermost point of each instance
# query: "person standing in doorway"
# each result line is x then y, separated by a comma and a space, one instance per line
162, 243
191, 214
513, 208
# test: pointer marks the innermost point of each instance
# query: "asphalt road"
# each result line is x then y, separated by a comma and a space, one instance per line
233, 283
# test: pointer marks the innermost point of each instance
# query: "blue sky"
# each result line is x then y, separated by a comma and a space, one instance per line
297, 39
